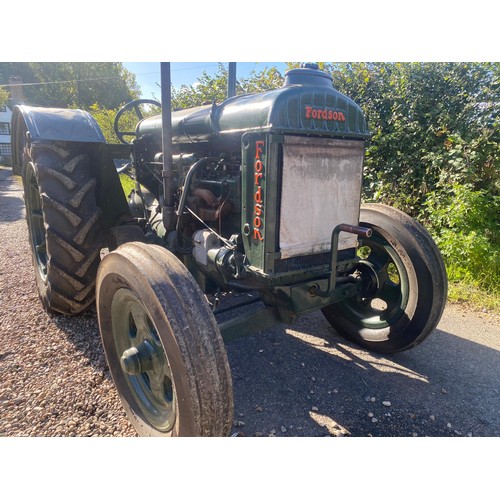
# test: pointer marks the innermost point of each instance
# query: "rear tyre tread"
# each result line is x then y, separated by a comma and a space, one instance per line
67, 181
72, 230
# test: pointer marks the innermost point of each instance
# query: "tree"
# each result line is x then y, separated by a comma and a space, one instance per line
4, 95
20, 70
108, 84
267, 79
214, 88
434, 124
72, 84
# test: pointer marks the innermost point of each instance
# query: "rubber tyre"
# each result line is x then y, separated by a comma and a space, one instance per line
16, 169
19, 141
162, 293
416, 301
63, 224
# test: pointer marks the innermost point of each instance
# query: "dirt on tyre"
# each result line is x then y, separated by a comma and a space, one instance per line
163, 345
63, 224
406, 284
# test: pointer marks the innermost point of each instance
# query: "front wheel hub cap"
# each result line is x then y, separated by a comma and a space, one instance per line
138, 359
369, 279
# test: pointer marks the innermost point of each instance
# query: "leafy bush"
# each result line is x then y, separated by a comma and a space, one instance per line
433, 124
105, 118
466, 227
435, 154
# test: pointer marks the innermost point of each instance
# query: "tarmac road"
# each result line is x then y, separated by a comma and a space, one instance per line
309, 382
305, 380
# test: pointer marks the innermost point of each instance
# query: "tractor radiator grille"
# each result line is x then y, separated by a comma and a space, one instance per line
321, 188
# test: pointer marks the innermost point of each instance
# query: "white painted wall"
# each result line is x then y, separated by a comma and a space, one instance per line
5, 117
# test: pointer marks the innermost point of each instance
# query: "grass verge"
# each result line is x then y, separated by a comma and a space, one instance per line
127, 183
465, 293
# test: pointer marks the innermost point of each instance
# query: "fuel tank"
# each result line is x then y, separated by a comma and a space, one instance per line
307, 104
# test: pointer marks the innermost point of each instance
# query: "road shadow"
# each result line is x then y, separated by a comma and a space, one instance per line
11, 204
307, 381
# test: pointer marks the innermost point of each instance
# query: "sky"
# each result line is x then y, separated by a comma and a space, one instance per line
186, 73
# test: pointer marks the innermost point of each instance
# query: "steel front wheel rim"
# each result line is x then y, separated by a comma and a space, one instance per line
387, 304
143, 360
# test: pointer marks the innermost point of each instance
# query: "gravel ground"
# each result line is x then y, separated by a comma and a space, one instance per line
54, 379
300, 381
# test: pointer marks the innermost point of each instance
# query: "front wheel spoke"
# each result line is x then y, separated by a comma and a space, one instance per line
156, 383
140, 320
380, 260
146, 331
391, 294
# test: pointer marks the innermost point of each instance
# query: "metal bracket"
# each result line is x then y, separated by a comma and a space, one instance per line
347, 228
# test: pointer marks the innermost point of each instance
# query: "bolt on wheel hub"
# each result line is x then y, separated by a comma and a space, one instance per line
138, 359
143, 361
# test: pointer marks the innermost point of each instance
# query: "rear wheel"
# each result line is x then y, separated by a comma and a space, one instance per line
20, 154
63, 225
405, 284
163, 345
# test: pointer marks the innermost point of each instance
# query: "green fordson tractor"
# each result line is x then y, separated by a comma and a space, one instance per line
259, 194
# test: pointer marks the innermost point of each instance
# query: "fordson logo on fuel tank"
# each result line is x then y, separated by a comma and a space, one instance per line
319, 113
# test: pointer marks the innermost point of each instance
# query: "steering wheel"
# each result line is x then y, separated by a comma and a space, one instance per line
136, 106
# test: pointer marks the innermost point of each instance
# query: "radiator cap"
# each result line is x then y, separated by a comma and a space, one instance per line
308, 74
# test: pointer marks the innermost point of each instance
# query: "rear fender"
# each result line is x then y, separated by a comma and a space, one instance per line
79, 130
31, 124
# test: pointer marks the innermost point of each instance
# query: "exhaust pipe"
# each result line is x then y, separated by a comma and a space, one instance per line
231, 80
169, 215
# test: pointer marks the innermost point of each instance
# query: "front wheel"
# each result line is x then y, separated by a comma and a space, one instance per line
163, 345
406, 284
